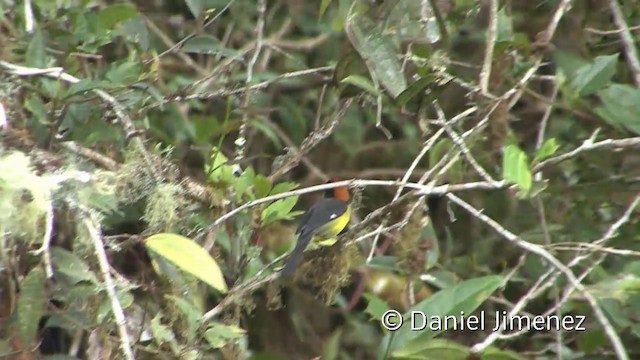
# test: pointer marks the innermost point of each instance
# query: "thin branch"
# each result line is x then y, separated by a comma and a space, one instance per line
421, 189
485, 73
118, 312
166, 40
241, 140
190, 36
230, 92
627, 40
589, 145
29, 19
543, 41
610, 32
311, 141
46, 241
407, 174
463, 147
540, 251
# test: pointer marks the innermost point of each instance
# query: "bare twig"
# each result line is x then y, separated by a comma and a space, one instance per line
610, 32
540, 251
463, 147
421, 189
485, 73
544, 40
311, 141
189, 37
169, 43
589, 145
29, 19
46, 241
241, 140
229, 92
287, 140
627, 40
405, 178
118, 312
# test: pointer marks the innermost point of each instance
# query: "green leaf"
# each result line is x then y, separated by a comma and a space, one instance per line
246, 179
362, 83
67, 263
493, 353
596, 75
115, 14
262, 186
31, 304
190, 257
546, 150
376, 307
36, 51
283, 187
192, 314
161, 333
620, 107
136, 31
385, 262
417, 87
268, 131
465, 298
505, 26
437, 349
279, 210
332, 346
219, 334
515, 168
378, 51
324, 5
195, 6
83, 86
106, 308
207, 44
124, 73
219, 169
71, 320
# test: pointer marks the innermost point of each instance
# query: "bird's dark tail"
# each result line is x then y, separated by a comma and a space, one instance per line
294, 258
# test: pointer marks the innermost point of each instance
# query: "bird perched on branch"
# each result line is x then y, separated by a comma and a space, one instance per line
325, 220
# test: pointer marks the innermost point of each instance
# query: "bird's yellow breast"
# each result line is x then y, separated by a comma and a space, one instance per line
327, 233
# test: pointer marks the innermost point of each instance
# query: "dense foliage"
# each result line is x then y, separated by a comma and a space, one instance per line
156, 156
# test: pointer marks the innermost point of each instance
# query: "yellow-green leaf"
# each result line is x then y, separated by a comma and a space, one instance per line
31, 304
187, 255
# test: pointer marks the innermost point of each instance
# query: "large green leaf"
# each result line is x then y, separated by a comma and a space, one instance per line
280, 210
219, 334
67, 263
621, 107
31, 304
465, 298
187, 255
115, 14
378, 51
596, 75
493, 353
436, 349
515, 168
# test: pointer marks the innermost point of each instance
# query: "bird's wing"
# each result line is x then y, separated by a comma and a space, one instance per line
322, 213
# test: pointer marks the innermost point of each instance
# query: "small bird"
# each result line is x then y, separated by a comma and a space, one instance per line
325, 220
